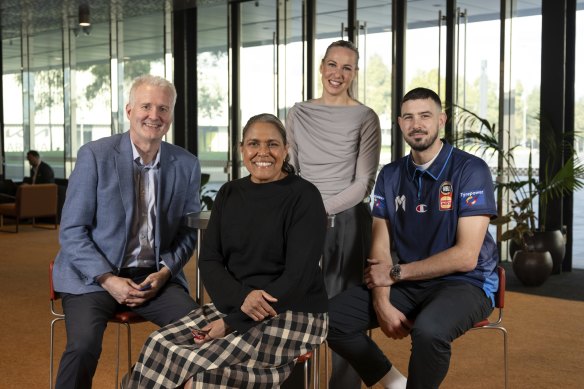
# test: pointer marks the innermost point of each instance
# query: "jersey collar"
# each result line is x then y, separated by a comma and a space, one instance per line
435, 170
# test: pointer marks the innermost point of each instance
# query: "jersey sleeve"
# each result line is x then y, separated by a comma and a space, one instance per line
379, 208
476, 195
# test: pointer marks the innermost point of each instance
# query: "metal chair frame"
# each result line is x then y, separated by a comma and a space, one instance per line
120, 318
496, 325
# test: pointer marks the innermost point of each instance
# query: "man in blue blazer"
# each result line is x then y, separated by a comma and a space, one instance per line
123, 240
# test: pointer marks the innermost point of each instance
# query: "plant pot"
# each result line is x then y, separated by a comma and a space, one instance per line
532, 268
552, 241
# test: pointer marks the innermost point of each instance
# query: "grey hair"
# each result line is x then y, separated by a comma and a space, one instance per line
151, 80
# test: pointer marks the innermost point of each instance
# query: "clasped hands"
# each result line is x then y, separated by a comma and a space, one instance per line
127, 292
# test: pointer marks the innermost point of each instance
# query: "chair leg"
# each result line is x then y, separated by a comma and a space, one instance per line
505, 356
129, 348
306, 374
326, 364
505, 349
52, 350
118, 357
316, 368
129, 344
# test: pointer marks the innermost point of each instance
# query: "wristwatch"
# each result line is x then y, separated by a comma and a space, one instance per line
395, 273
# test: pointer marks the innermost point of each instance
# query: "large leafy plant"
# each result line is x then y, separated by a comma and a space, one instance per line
482, 138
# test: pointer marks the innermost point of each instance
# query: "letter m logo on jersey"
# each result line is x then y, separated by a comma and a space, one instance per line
400, 201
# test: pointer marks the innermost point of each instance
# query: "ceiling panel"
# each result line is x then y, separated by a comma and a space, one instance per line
44, 20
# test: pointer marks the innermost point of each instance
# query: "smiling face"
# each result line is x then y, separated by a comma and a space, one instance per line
420, 123
338, 70
150, 114
263, 151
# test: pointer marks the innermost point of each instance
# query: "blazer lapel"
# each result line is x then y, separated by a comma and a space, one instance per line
124, 170
166, 182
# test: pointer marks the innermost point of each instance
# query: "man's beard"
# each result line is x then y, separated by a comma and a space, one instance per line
422, 145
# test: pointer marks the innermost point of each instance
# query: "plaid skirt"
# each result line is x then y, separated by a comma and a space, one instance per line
262, 357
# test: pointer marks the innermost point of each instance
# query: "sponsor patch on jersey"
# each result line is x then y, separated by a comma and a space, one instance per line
472, 199
422, 208
445, 196
379, 202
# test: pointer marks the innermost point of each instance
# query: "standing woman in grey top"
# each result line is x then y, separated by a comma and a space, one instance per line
335, 143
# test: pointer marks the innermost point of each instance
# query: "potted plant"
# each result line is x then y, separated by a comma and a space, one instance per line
523, 191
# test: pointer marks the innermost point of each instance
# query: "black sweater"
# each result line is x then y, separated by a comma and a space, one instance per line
265, 236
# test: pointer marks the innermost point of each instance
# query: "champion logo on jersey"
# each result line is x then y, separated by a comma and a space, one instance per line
422, 208
445, 196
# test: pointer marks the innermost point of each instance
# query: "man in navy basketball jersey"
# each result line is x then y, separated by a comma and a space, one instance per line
431, 213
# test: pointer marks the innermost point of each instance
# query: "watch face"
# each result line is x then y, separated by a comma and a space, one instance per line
395, 272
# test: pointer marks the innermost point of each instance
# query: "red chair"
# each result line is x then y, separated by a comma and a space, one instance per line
496, 325
120, 318
304, 358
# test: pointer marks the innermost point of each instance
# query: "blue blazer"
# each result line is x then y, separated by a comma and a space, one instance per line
97, 214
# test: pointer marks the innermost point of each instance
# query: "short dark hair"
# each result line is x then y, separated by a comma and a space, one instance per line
34, 153
422, 94
272, 119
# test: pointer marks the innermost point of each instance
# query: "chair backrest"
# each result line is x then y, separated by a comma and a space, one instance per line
36, 200
500, 295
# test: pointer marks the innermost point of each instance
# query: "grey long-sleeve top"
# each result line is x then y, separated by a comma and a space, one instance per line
337, 149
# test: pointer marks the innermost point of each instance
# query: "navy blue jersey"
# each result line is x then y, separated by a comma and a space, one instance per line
423, 208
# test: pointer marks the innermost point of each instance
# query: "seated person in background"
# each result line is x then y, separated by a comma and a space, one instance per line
123, 243
432, 207
260, 265
40, 171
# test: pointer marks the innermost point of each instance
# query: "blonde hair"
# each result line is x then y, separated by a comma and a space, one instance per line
344, 45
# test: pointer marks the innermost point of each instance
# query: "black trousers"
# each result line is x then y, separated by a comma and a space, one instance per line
346, 249
86, 318
347, 245
441, 310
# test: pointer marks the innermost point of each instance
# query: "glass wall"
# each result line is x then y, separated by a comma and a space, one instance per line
71, 82
13, 108
578, 244
374, 83
213, 91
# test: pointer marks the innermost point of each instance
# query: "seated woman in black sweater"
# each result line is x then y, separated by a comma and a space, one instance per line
260, 265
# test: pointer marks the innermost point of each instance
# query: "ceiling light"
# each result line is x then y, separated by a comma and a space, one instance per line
84, 15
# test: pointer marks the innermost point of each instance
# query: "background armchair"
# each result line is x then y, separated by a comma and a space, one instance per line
31, 201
